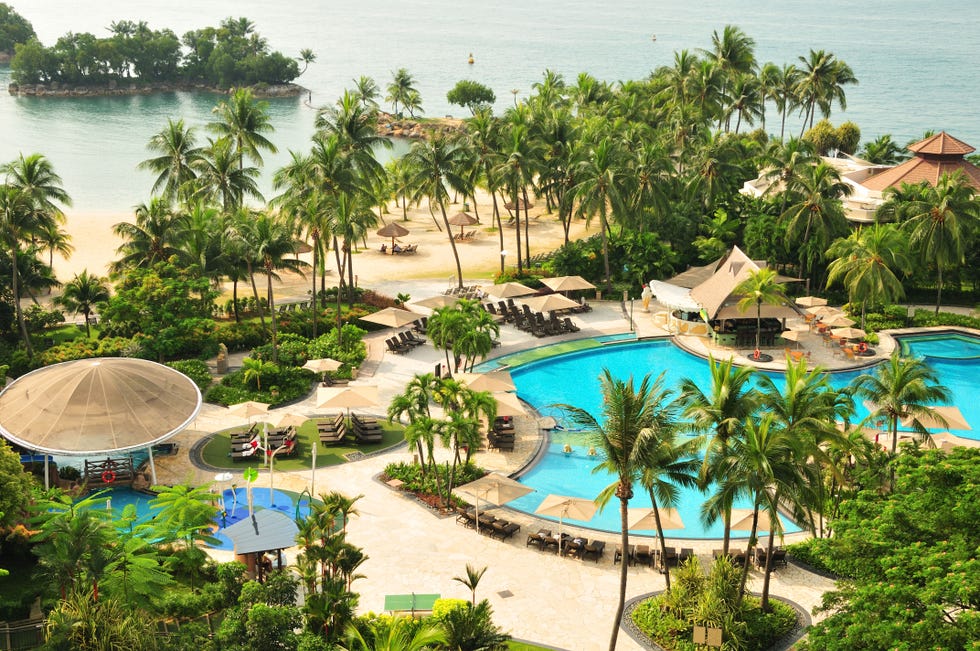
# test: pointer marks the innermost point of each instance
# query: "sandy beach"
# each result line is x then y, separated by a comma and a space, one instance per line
95, 247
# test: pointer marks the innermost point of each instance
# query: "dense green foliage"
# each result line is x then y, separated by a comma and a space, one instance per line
710, 599
910, 558
471, 94
279, 385
14, 29
230, 55
196, 369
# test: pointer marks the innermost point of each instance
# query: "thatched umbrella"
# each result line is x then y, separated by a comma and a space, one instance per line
462, 219
393, 230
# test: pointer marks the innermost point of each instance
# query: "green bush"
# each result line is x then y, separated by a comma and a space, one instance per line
292, 350
291, 384
352, 349
815, 553
443, 606
83, 348
426, 485
238, 337
928, 318
196, 369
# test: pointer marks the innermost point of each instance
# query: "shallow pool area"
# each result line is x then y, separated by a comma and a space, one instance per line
573, 378
233, 505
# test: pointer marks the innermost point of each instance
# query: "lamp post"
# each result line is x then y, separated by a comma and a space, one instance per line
503, 255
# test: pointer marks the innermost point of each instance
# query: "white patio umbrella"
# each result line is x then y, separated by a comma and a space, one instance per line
811, 301
248, 409
508, 290
508, 404
289, 419
941, 418
549, 303
495, 489
439, 300
493, 381
348, 397
742, 521
849, 333
838, 321
392, 317
562, 507
823, 310
322, 365
793, 335
644, 519
567, 283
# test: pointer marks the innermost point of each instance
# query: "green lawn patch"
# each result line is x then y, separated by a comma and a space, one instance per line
524, 646
217, 450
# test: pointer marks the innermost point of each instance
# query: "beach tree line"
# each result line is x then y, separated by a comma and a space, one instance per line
232, 54
14, 29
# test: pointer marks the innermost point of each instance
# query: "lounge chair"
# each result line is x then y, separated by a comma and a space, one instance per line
405, 340
594, 549
396, 346
417, 340
504, 529
569, 326
644, 555
574, 546
686, 553
630, 554
466, 517
551, 541
668, 558
538, 538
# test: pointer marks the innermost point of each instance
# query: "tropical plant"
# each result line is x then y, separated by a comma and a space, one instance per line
902, 390
761, 286
155, 237
815, 216
400, 89
631, 415
82, 294
471, 580
600, 191
244, 121
178, 152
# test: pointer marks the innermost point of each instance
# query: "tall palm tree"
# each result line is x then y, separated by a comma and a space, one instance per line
762, 286
55, 239
942, 224
155, 236
178, 153
220, 175
821, 83
722, 411
367, 89
816, 216
400, 89
668, 465
472, 579
350, 218
35, 178
867, 263
245, 122
600, 191
902, 388
437, 168
413, 404
783, 85
631, 415
306, 56
516, 168
82, 293
783, 166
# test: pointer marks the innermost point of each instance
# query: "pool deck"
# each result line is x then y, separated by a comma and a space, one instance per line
536, 596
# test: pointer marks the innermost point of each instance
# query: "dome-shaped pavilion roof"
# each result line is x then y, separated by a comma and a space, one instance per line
97, 406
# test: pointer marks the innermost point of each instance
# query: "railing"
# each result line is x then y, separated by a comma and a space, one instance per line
21, 635
103, 473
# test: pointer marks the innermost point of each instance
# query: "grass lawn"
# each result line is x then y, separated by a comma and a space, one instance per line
216, 450
68, 332
523, 646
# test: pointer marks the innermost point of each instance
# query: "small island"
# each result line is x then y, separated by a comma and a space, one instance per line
136, 59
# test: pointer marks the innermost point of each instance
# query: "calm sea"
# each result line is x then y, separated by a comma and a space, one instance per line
915, 62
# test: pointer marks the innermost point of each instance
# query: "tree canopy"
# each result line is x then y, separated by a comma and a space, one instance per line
471, 94
14, 29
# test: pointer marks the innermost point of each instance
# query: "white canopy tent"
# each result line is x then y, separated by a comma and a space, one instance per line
673, 297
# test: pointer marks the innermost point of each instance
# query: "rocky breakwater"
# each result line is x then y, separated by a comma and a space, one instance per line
394, 127
113, 88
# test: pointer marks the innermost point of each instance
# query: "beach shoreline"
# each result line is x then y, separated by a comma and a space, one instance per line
96, 247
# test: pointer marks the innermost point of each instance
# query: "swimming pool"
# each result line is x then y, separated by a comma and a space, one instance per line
573, 378
234, 502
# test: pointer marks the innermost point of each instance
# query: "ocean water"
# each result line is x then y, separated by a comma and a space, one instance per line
914, 61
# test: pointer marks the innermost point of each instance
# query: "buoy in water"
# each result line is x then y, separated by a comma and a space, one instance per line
653, 38
470, 61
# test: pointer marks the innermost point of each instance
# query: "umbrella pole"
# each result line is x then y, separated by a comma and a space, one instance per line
476, 510
47, 482
560, 550
313, 471
153, 466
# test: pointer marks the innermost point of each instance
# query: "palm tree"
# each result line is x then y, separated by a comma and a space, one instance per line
35, 178
155, 236
413, 404
816, 216
783, 167
472, 579
306, 56
55, 239
350, 218
244, 121
221, 176
516, 170
394, 634
821, 83
436, 168
174, 166
368, 91
882, 151
941, 224
354, 123
18, 220
782, 85
668, 465
631, 416
723, 411
600, 191
471, 628
400, 89
762, 286
82, 293
902, 388
867, 262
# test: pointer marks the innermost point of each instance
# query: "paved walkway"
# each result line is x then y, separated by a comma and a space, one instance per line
535, 595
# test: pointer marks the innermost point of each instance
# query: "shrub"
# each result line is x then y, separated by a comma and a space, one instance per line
815, 553
69, 473
290, 383
292, 350
443, 606
238, 337
83, 348
197, 370
351, 351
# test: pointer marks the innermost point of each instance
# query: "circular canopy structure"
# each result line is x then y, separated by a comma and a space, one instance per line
97, 406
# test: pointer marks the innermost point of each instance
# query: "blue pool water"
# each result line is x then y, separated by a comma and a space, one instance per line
573, 378
234, 501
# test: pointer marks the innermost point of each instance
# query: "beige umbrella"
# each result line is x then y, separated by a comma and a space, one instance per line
742, 521
301, 247
839, 321
941, 418
439, 300
561, 507
811, 301
462, 219
946, 441
645, 520
823, 310
520, 205
393, 230
549, 303
322, 365
289, 419
348, 397
849, 333
567, 283
392, 317
508, 404
508, 290
493, 381
495, 489
793, 335
248, 409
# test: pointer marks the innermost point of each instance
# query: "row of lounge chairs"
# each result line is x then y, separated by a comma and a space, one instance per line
365, 429
567, 545
404, 341
502, 436
489, 525
469, 291
652, 556
533, 322
247, 444
333, 430
465, 236
399, 249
